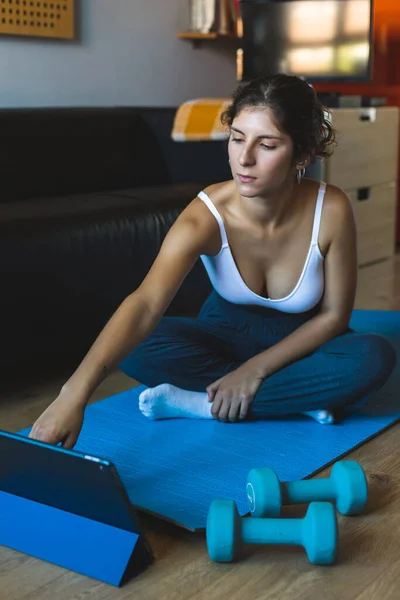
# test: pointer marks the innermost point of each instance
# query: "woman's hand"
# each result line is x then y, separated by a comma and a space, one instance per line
61, 422
232, 394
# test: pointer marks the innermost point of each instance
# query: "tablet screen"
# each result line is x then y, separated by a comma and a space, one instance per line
68, 480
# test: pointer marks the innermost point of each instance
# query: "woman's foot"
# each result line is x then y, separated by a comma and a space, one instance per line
324, 417
167, 401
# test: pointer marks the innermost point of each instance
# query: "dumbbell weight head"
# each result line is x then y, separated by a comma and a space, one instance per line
352, 486
320, 533
223, 531
264, 493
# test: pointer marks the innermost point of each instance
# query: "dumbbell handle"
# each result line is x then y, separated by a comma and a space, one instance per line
300, 491
272, 531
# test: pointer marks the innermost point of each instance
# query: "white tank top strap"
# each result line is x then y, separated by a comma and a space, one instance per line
318, 212
208, 202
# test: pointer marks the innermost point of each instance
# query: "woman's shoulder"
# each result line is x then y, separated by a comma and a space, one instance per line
336, 202
337, 213
204, 223
220, 193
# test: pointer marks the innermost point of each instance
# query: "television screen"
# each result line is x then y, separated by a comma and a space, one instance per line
320, 40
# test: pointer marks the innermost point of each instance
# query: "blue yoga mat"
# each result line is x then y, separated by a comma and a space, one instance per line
175, 468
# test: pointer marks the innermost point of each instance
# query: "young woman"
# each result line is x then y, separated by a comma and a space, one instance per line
273, 338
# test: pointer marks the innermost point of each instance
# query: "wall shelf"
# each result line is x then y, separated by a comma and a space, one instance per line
196, 37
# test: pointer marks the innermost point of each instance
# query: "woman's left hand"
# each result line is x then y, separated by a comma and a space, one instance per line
232, 394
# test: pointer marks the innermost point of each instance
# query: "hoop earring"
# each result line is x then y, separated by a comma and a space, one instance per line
300, 174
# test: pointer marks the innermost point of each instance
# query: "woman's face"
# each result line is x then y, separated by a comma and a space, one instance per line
261, 156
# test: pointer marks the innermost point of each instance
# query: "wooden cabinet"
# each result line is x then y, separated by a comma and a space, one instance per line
365, 166
376, 222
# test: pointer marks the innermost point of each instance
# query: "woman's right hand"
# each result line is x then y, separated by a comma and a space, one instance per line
61, 422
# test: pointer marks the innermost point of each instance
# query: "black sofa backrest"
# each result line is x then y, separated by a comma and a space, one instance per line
184, 161
58, 151
52, 152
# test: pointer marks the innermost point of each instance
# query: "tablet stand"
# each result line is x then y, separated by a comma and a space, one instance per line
89, 547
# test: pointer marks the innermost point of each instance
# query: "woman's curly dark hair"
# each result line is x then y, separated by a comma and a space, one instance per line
296, 109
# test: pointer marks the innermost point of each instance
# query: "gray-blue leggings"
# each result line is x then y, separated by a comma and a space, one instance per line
192, 353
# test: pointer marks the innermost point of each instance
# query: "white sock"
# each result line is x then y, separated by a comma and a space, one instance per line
324, 417
166, 401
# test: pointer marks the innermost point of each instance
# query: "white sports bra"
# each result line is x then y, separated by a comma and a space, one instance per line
228, 283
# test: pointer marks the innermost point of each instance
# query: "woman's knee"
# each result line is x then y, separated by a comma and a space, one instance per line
376, 357
138, 363
142, 362
179, 351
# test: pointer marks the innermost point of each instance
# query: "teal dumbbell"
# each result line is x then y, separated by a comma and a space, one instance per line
227, 532
347, 487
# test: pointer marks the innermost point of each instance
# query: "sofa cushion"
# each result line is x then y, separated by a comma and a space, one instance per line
140, 199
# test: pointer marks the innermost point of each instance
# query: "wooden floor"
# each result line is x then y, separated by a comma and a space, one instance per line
368, 565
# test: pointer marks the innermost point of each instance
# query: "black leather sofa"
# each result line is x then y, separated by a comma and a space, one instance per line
86, 198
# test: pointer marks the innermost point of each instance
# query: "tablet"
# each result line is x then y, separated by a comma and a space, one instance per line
85, 485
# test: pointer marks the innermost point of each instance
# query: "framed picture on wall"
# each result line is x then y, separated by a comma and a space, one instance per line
38, 18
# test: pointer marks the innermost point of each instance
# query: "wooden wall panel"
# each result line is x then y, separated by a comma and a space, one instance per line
38, 18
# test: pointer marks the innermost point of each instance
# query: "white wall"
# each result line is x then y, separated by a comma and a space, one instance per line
127, 54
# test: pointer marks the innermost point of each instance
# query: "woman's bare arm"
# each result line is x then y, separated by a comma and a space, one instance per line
140, 312
134, 320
